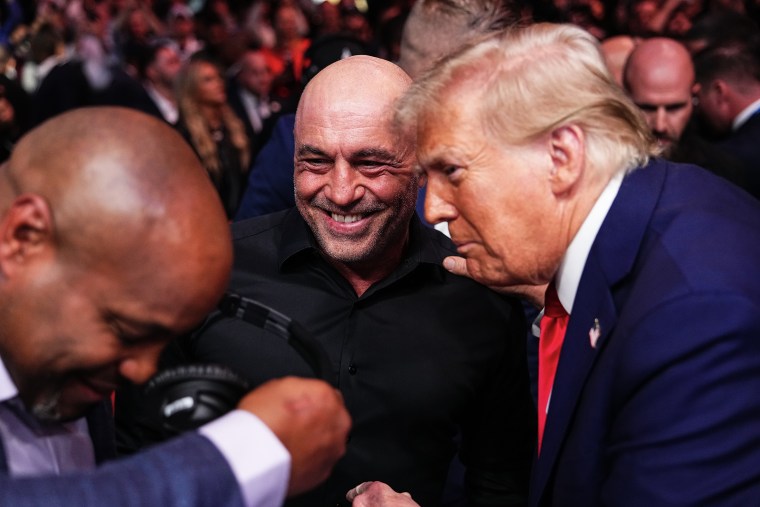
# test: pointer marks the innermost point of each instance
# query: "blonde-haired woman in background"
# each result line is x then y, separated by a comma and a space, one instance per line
213, 130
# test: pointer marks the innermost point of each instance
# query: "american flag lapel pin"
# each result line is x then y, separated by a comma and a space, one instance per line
594, 333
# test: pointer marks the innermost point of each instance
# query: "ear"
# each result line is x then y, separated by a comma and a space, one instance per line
567, 151
26, 230
421, 179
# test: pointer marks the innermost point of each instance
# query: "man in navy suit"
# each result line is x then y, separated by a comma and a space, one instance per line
546, 177
728, 89
112, 242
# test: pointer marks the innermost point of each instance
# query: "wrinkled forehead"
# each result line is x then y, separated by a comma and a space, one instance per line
346, 109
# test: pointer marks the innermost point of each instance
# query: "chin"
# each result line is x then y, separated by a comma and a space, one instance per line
48, 410
55, 409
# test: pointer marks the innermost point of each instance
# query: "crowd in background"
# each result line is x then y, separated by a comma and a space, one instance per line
222, 71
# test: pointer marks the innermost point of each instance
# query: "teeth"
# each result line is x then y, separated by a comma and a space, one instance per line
346, 218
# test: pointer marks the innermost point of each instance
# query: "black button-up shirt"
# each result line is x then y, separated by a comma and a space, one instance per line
420, 357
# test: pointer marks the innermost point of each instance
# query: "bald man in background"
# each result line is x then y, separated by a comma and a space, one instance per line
112, 242
659, 78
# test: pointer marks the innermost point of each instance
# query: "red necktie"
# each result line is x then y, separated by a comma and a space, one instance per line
553, 327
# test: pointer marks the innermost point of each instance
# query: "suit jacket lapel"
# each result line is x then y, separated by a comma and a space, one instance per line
575, 362
612, 256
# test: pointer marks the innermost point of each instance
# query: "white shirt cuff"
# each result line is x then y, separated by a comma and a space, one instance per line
260, 462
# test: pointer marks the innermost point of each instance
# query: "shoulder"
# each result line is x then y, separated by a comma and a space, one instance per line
261, 226
700, 236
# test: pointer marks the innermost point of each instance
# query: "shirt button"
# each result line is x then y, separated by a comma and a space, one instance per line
352, 369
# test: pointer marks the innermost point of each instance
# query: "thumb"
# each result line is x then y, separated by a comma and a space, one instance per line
456, 265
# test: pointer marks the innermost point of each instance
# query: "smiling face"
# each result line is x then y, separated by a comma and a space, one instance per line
90, 327
495, 197
90, 236
354, 182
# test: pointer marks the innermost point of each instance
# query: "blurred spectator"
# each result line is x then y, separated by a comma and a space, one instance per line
286, 57
92, 76
675, 17
213, 130
728, 78
249, 95
158, 66
434, 28
258, 24
11, 15
133, 29
356, 25
7, 64
616, 51
659, 77
45, 52
717, 28
14, 105
180, 23
328, 19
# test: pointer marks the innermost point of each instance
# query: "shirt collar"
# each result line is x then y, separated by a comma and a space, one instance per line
745, 115
8, 389
568, 275
167, 108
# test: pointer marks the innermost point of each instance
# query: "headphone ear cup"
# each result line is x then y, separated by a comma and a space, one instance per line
188, 396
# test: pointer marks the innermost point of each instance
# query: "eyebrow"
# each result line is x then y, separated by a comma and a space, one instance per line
672, 105
307, 149
378, 154
152, 330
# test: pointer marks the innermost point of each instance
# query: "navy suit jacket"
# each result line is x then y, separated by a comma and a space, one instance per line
665, 409
188, 471
744, 145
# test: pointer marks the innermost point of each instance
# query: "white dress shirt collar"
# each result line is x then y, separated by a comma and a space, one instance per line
568, 275
8, 389
745, 115
167, 108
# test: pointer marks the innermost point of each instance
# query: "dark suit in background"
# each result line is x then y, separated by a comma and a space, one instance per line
744, 144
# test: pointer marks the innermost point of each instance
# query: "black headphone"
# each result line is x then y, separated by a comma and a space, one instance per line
188, 396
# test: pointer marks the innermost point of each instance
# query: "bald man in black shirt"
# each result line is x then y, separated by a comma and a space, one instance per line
353, 264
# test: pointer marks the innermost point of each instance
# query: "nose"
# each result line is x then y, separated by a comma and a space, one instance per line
140, 365
660, 121
345, 186
437, 204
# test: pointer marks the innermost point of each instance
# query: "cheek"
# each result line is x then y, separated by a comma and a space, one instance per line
392, 188
307, 184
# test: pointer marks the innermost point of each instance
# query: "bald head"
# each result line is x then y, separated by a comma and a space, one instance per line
113, 239
659, 76
355, 85
616, 51
98, 167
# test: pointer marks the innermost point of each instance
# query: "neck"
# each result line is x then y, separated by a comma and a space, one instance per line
364, 274
166, 92
213, 115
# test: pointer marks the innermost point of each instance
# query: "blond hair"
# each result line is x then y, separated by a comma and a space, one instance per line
198, 126
531, 80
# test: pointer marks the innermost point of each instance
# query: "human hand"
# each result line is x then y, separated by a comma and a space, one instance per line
378, 494
309, 418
